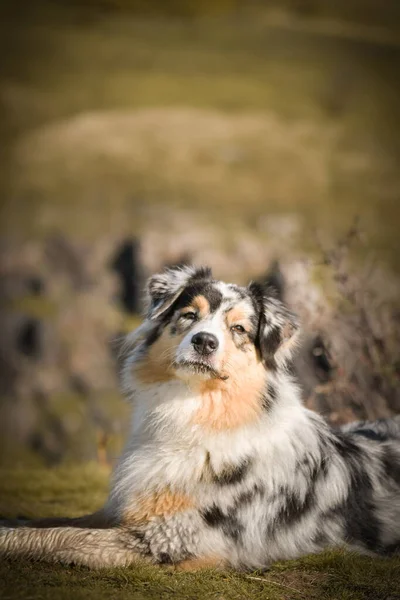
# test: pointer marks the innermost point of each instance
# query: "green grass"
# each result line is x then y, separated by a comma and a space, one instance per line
73, 490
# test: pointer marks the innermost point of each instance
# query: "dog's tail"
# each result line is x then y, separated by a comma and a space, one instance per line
84, 541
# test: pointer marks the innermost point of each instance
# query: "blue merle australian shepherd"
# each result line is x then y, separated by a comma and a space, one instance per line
224, 465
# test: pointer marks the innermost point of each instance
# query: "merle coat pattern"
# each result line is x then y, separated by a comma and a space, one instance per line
224, 465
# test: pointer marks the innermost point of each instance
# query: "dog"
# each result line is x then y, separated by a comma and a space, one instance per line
224, 466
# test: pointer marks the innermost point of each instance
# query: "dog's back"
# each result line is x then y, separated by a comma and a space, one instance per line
380, 430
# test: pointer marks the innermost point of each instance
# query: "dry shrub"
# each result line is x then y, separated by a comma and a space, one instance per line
358, 335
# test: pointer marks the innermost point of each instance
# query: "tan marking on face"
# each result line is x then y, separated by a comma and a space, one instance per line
205, 562
238, 316
157, 504
156, 365
238, 400
199, 304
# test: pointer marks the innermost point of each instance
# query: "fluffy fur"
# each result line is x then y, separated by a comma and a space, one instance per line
224, 465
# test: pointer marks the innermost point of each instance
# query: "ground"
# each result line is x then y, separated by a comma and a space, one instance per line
73, 490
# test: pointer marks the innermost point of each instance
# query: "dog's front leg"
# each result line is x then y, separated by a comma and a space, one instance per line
95, 548
176, 540
181, 540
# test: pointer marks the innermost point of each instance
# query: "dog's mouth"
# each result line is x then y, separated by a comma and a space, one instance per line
198, 366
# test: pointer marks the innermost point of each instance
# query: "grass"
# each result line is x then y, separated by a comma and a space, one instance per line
72, 490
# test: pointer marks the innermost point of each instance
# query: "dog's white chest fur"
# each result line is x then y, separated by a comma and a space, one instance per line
167, 450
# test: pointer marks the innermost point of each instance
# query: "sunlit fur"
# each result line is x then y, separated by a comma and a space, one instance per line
224, 466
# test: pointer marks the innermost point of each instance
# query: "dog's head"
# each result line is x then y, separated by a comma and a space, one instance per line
210, 333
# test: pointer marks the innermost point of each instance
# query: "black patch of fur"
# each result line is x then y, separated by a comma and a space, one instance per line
202, 273
269, 396
370, 434
232, 474
361, 524
347, 448
257, 297
358, 510
253, 333
380, 430
294, 507
257, 294
266, 402
137, 534
213, 516
164, 559
325, 466
248, 496
269, 345
228, 523
325, 453
154, 335
171, 558
213, 296
272, 391
203, 288
313, 468
391, 464
161, 294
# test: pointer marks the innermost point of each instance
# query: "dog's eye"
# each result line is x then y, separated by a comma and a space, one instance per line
189, 316
238, 328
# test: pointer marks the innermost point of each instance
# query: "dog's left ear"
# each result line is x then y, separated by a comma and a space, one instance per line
165, 288
278, 329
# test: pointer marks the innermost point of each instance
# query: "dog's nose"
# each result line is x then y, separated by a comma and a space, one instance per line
205, 343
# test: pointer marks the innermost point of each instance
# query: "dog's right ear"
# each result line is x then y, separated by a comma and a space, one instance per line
165, 288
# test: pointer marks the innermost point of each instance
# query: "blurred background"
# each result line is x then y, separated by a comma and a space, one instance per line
261, 137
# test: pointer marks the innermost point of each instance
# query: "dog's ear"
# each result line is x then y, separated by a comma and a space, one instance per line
278, 328
165, 288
